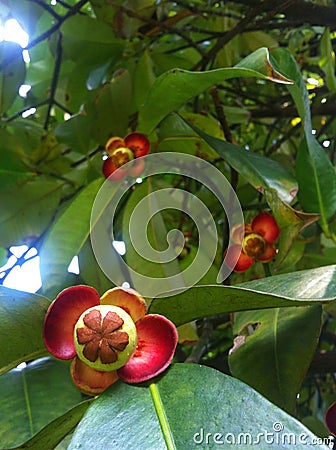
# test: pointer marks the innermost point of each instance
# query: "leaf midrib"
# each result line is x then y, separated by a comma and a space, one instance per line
27, 401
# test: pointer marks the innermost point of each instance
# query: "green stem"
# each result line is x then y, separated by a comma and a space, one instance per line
267, 270
166, 431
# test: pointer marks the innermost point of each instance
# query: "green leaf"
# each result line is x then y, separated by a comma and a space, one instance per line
104, 10
90, 270
34, 396
262, 359
261, 172
175, 87
315, 172
34, 206
110, 109
306, 287
316, 178
22, 316
327, 61
81, 36
144, 78
12, 73
67, 237
156, 237
171, 414
175, 135
291, 223
55, 431
75, 133
3, 256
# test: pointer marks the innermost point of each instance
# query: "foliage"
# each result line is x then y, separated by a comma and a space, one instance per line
248, 87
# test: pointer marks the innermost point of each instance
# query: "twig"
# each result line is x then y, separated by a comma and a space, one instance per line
243, 24
85, 158
54, 81
165, 26
48, 8
46, 34
202, 344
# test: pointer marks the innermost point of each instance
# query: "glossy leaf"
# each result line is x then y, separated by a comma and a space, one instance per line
22, 316
275, 358
263, 173
306, 287
110, 109
178, 86
327, 62
156, 233
175, 135
67, 237
82, 34
291, 223
75, 133
90, 270
144, 78
57, 430
12, 73
150, 418
315, 173
34, 396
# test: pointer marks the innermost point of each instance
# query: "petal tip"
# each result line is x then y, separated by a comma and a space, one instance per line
62, 316
157, 340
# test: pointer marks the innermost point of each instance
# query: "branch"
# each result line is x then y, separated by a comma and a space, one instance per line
48, 8
323, 363
54, 81
250, 17
46, 34
165, 25
202, 344
300, 11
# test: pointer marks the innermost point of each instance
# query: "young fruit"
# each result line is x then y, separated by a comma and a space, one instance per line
110, 170
137, 142
236, 259
265, 224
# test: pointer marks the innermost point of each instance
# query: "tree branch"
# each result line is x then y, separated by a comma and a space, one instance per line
75, 9
300, 11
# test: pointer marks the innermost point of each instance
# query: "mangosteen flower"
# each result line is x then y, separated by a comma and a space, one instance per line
108, 338
122, 150
253, 242
330, 418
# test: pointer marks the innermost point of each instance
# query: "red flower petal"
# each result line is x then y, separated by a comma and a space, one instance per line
268, 254
236, 259
111, 172
137, 167
330, 418
62, 316
137, 142
266, 225
157, 340
91, 381
127, 299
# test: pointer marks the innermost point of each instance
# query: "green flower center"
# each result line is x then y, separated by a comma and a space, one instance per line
105, 337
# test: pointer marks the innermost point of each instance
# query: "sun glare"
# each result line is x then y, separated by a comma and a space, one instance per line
12, 31
24, 277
